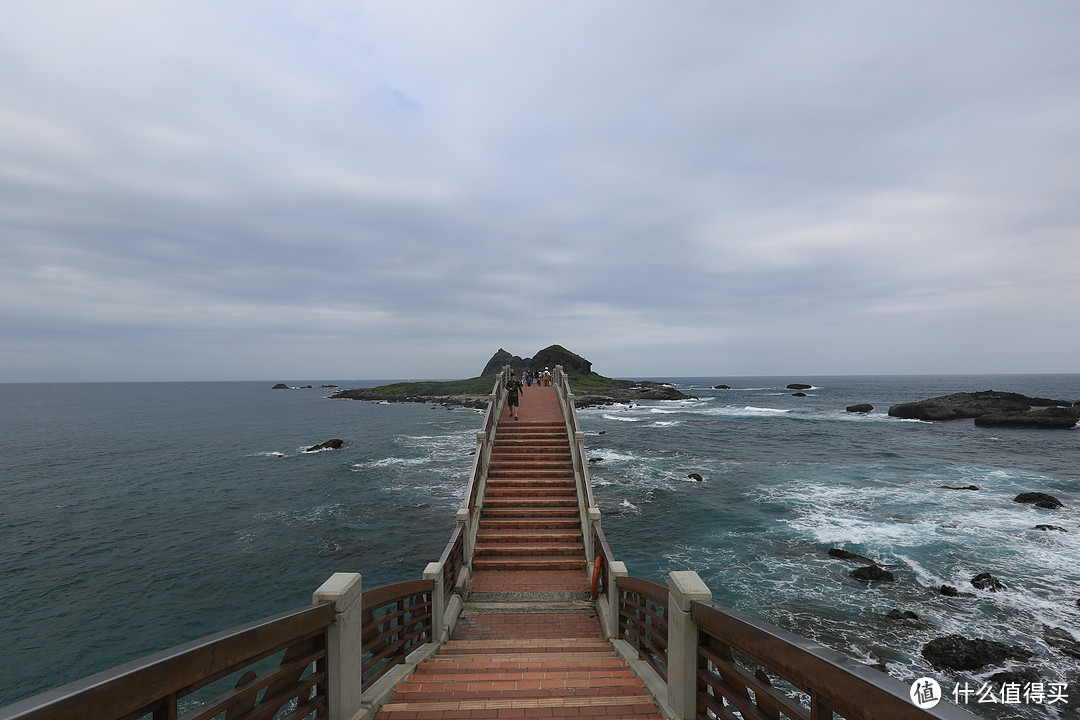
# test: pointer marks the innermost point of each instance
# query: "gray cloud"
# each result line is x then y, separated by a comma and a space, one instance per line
194, 190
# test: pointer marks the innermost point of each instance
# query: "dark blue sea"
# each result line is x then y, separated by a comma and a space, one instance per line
137, 516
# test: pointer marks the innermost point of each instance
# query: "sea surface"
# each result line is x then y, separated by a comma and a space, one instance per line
137, 516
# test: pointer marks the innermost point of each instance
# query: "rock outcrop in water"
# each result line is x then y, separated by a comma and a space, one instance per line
991, 408
334, 444
1039, 499
987, 582
956, 652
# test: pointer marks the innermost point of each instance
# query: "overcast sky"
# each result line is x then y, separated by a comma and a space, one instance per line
200, 190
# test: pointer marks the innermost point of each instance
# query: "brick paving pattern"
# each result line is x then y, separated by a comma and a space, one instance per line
550, 661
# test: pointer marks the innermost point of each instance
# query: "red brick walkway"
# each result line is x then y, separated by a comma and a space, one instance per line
527, 644
523, 665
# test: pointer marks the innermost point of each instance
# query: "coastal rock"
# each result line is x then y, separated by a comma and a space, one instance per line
1055, 418
949, 591
1038, 499
280, 386
1018, 676
956, 652
845, 555
799, 386
1050, 527
969, 405
630, 393
860, 408
721, 387
695, 476
334, 444
1062, 640
872, 573
987, 582
798, 394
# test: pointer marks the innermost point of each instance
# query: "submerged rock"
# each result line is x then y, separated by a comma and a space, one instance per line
956, 652
696, 476
965, 487
872, 573
1038, 499
1062, 640
845, 555
949, 591
987, 582
1050, 527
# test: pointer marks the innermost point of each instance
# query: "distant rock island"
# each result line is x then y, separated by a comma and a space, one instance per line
589, 388
991, 408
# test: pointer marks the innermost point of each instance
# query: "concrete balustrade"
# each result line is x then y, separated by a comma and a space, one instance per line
344, 643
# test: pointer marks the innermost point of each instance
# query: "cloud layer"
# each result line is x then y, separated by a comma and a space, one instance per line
196, 190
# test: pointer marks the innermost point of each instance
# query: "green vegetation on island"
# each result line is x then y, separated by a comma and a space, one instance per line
590, 388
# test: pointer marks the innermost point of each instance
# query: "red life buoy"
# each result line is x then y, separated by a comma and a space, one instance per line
594, 589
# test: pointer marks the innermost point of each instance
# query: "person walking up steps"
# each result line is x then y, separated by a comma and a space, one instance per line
512, 389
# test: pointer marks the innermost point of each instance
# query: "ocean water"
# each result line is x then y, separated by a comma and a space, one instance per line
137, 516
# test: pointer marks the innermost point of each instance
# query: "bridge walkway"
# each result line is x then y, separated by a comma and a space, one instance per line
528, 643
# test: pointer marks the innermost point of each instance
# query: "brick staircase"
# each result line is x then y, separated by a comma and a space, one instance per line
528, 643
530, 521
522, 665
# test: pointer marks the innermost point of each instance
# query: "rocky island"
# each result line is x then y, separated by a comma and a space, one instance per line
991, 408
590, 388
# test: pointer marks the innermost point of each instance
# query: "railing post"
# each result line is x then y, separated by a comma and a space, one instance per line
468, 543
684, 588
592, 517
434, 572
616, 570
344, 651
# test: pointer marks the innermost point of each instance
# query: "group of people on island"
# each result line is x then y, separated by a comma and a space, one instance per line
514, 388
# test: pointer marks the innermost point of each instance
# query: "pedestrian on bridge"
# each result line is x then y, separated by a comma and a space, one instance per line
512, 389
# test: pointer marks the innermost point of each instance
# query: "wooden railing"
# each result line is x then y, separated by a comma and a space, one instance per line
739, 656
160, 684
397, 620
643, 609
451, 561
